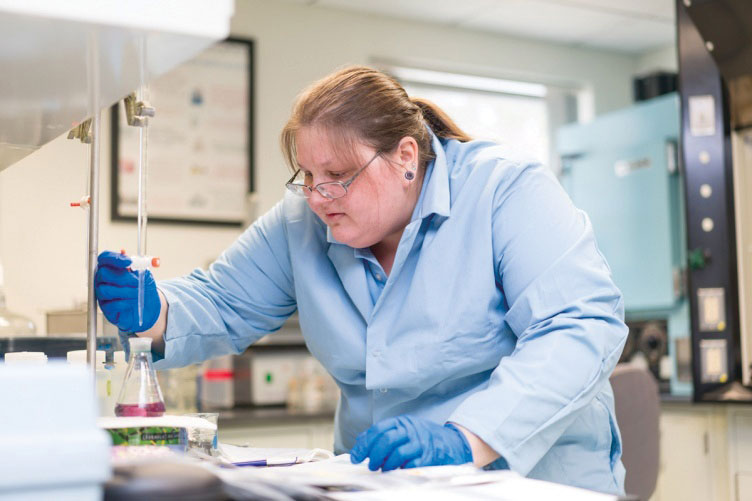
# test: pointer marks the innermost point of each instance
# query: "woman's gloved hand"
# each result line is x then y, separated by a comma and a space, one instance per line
116, 288
408, 442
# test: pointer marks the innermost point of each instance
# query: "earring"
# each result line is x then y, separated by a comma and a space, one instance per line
410, 174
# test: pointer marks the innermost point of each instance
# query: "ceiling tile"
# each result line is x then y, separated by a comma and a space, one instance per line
438, 11
645, 9
304, 2
543, 20
634, 36
624, 25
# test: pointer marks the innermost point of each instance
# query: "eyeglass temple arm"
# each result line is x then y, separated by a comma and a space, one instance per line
294, 175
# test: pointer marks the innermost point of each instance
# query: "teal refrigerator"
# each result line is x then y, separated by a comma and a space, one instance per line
622, 169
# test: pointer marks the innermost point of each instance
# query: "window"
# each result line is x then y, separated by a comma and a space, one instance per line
515, 114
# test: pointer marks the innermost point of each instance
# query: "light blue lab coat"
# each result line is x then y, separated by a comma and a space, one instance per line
499, 314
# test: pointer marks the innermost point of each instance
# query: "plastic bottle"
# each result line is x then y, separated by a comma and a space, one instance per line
140, 395
216, 385
294, 394
117, 373
312, 388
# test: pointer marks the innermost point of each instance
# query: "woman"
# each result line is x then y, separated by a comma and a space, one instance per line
455, 294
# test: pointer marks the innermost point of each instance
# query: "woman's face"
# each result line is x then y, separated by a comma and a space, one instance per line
379, 202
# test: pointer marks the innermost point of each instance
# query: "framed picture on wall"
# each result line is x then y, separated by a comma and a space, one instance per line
200, 142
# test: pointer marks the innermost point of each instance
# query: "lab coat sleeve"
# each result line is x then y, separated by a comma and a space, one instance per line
245, 294
564, 309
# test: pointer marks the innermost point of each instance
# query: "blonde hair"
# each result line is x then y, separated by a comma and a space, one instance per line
358, 104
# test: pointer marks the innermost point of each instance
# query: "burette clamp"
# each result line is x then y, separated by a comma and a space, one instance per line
81, 131
142, 262
137, 112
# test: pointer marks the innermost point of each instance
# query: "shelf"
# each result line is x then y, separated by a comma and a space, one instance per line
53, 347
239, 417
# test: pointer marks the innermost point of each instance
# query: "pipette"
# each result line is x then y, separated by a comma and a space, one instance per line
138, 110
140, 260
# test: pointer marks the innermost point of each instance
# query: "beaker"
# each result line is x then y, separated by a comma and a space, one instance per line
140, 395
202, 434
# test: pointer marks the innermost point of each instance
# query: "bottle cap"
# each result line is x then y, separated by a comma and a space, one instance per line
139, 344
20, 357
118, 357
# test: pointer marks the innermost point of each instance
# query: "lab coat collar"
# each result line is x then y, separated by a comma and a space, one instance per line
352, 274
434, 197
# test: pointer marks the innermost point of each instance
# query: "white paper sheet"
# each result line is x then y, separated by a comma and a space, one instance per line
273, 456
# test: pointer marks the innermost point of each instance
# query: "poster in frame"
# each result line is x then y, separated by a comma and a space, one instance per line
200, 142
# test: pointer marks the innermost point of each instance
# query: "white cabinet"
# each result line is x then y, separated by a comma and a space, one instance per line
706, 453
694, 453
740, 452
309, 434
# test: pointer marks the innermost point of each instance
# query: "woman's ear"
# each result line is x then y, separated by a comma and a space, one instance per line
408, 151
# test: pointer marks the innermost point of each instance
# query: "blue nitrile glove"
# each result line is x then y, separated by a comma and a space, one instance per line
408, 442
117, 292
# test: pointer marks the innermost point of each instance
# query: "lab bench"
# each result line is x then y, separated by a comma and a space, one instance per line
709, 443
276, 427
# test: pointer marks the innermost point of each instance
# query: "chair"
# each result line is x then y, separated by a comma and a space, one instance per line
637, 412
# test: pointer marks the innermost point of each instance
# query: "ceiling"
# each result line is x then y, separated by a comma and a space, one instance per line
629, 26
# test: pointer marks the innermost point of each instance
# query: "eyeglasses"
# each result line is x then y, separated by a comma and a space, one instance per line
329, 189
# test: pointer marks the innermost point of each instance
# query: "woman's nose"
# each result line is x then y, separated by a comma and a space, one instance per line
317, 199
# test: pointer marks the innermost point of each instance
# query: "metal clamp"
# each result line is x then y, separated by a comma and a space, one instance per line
81, 131
137, 112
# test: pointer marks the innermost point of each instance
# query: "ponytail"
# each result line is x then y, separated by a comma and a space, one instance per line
439, 121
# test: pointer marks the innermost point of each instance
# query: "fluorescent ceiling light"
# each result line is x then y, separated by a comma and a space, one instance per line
468, 81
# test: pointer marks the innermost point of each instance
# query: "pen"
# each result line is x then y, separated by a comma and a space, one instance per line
265, 462
258, 462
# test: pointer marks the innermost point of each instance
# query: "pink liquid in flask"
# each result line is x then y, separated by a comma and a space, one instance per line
152, 409
140, 395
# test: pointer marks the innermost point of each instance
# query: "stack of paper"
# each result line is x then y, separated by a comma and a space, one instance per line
338, 479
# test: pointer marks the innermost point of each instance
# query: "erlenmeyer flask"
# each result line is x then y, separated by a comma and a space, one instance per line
140, 394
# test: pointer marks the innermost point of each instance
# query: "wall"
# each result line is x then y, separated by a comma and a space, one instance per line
664, 59
42, 242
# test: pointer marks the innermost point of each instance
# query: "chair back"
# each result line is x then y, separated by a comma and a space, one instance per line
638, 412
